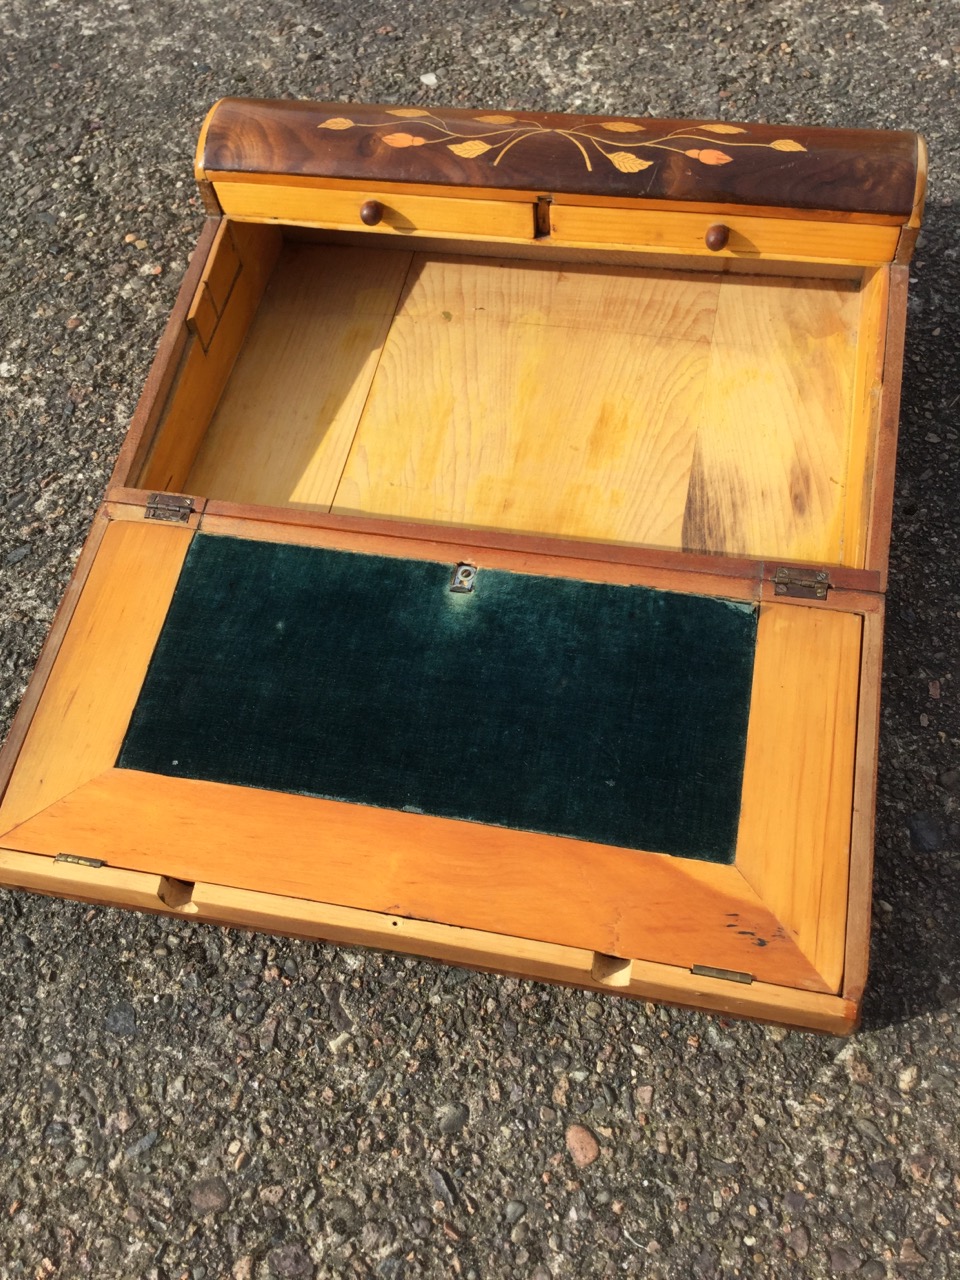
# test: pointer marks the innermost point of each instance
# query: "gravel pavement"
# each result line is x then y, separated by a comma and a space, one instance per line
183, 1101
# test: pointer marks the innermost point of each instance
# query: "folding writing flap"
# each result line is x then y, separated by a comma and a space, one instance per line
580, 762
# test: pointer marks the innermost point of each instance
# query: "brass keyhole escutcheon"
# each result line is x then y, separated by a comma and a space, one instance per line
371, 212
717, 237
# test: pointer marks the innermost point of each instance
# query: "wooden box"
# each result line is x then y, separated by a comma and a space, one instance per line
494, 566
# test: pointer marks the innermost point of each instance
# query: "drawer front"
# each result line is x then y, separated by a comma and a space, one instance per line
391, 214
663, 231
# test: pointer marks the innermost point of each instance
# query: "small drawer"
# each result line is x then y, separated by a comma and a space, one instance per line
735, 236
384, 212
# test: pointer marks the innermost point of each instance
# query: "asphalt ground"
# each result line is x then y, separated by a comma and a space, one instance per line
183, 1101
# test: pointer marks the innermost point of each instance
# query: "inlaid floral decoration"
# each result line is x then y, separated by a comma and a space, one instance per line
611, 143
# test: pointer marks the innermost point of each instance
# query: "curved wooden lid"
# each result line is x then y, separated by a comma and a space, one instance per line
853, 171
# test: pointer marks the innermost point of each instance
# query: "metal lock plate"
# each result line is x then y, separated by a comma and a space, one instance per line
464, 576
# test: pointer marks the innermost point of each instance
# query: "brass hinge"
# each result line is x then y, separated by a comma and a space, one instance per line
805, 584
729, 975
76, 859
169, 506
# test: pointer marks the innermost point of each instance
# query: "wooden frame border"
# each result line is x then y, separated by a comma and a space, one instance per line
473, 948
166, 362
887, 428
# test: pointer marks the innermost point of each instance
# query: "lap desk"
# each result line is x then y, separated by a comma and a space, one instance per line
494, 566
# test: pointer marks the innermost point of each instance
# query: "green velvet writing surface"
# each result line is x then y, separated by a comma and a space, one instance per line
607, 713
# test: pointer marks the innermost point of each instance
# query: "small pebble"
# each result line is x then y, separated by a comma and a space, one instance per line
290, 1262
122, 1020
799, 1241
582, 1145
926, 832
452, 1116
209, 1195
907, 1079
910, 1254
842, 1261
514, 1211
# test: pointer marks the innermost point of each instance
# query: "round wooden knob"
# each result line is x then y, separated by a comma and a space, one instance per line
717, 237
371, 211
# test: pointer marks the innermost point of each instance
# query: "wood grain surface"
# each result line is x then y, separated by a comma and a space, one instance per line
166, 362
768, 476
403, 214
622, 902
675, 410
286, 421
859, 893
82, 715
206, 366
794, 842
477, 949
697, 411
747, 237
771, 165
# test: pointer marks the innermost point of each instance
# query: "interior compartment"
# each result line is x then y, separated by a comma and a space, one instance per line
687, 409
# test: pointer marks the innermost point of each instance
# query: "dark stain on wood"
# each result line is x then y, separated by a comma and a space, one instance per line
800, 489
711, 515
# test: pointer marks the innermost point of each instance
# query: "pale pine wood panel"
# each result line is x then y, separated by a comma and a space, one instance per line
10, 751
621, 902
167, 361
865, 415
549, 962
550, 250
538, 399
702, 412
82, 716
286, 421
402, 214
110, 886
859, 895
283, 428
203, 374
770, 467
794, 839
784, 239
